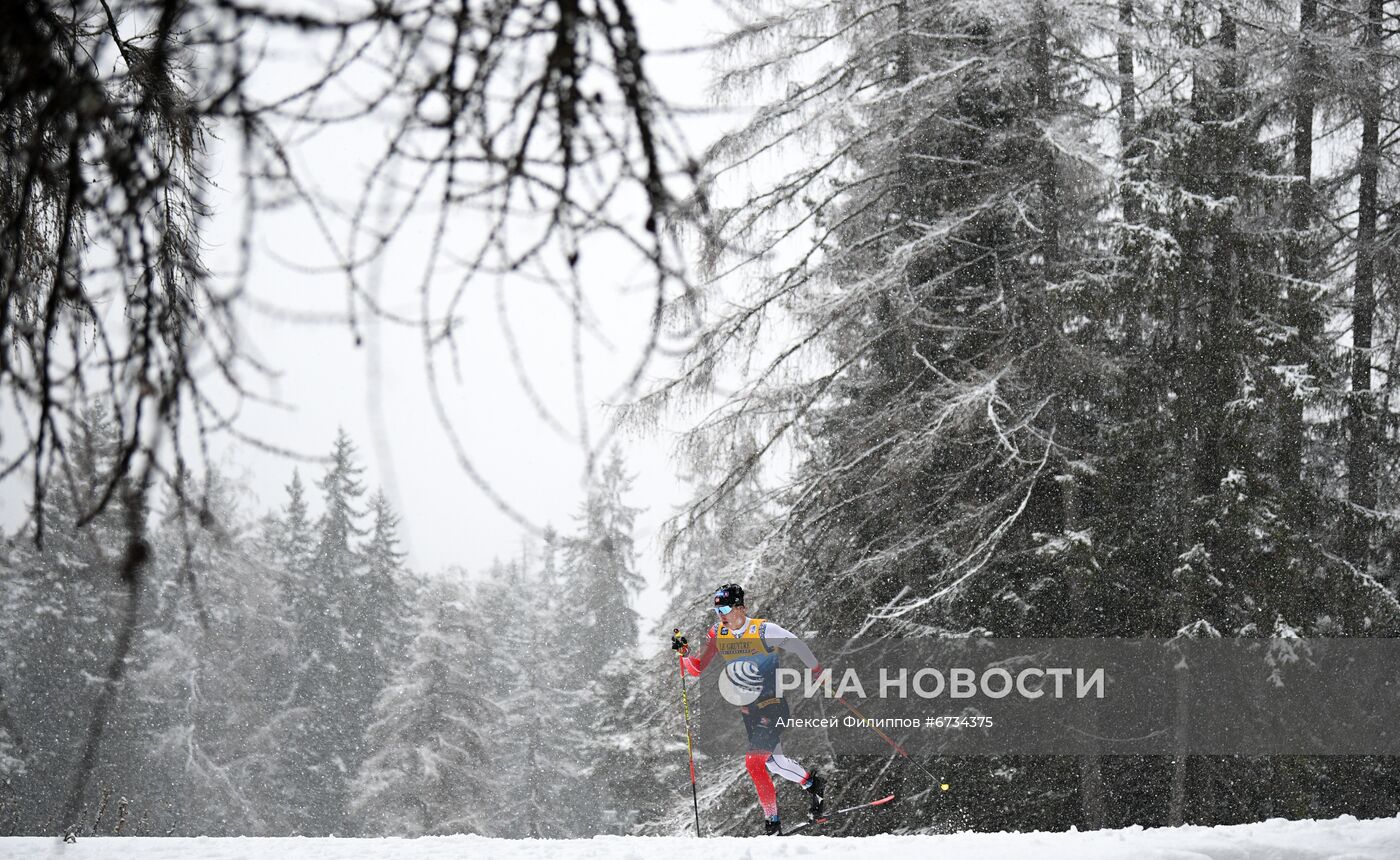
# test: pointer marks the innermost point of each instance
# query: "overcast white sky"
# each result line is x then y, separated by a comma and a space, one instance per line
326, 379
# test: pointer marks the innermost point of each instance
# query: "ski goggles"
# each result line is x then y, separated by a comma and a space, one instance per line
723, 610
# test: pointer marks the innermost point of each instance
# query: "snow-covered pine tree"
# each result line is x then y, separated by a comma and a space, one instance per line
1375, 63
16, 595
723, 542
944, 293
382, 597
288, 537
1354, 63
601, 582
946, 355
430, 768
1361, 423
533, 667
377, 617
599, 573
290, 533
325, 748
212, 664
1238, 383
12, 763
60, 637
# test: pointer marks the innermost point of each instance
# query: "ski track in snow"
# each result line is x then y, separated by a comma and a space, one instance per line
1342, 838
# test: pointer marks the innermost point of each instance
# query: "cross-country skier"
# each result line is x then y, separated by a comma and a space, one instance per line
747, 648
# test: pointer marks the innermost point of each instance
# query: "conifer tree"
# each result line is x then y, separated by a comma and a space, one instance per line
326, 746
1361, 406
15, 598
600, 567
381, 610
602, 581
290, 533
534, 664
213, 665
63, 632
430, 770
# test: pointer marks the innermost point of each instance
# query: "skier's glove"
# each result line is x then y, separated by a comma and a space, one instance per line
679, 642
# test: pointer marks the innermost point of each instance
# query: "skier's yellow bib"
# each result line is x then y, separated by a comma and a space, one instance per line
747, 644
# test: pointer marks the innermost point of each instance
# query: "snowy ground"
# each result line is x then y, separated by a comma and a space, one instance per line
1340, 839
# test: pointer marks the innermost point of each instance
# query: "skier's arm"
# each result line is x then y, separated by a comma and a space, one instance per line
776, 637
696, 665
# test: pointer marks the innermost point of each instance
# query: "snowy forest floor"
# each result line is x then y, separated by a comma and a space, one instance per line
1339, 839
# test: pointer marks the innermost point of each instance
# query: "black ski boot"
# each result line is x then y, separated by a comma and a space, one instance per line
771, 827
816, 796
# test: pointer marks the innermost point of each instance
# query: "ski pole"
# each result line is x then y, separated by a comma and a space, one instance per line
865, 721
689, 742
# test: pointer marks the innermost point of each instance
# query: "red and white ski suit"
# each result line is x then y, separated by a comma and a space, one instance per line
758, 638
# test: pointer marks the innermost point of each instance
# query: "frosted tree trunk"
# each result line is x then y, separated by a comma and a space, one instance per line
1300, 267
1217, 348
1127, 135
1045, 106
1361, 457
1127, 100
1093, 812
892, 350
1176, 807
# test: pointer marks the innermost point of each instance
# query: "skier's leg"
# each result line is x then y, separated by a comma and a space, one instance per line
787, 768
790, 770
761, 728
755, 763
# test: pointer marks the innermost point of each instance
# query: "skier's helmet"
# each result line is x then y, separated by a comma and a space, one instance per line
729, 595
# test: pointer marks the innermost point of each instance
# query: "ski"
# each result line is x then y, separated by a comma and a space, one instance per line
825, 818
